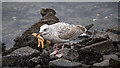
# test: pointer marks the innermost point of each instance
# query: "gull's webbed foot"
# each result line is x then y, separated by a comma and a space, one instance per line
53, 52
59, 55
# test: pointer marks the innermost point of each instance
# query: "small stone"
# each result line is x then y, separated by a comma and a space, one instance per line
101, 47
94, 19
38, 66
108, 57
106, 17
118, 45
64, 63
103, 63
97, 14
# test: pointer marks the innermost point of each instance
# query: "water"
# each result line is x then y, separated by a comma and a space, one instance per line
18, 17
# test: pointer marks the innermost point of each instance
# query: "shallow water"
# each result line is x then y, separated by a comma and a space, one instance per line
18, 17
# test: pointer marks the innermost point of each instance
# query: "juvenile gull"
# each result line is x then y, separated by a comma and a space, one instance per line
61, 33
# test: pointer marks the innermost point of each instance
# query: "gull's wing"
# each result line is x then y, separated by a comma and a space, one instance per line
71, 33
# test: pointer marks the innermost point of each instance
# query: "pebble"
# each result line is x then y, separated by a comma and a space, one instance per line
103, 63
108, 57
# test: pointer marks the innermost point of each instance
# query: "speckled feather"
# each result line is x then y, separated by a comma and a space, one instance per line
62, 32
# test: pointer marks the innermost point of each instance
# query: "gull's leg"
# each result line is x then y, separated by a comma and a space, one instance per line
60, 55
54, 52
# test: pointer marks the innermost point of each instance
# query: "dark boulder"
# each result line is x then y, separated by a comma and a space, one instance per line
42, 60
63, 63
20, 57
101, 47
89, 57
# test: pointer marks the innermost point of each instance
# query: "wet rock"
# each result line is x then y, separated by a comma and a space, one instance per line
70, 54
43, 60
38, 66
59, 63
103, 63
114, 30
108, 35
113, 37
25, 51
101, 47
3, 47
20, 57
95, 40
108, 57
99, 34
86, 66
118, 45
89, 57
114, 63
45, 11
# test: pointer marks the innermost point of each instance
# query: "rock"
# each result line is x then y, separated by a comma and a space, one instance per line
118, 54
101, 47
114, 63
59, 63
43, 60
108, 57
38, 66
86, 66
15, 67
114, 30
118, 45
70, 54
0, 60
3, 47
24, 51
107, 35
89, 57
45, 11
103, 63
20, 57
113, 37
26, 38
95, 40
99, 34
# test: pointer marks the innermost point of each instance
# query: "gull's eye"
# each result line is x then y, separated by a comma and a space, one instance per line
45, 29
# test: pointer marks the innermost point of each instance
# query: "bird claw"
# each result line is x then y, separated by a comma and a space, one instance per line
59, 55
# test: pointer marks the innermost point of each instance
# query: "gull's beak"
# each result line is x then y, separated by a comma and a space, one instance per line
40, 33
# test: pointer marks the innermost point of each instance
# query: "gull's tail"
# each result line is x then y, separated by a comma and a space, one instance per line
87, 32
89, 26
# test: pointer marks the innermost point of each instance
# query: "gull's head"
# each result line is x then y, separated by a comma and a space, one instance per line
45, 29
